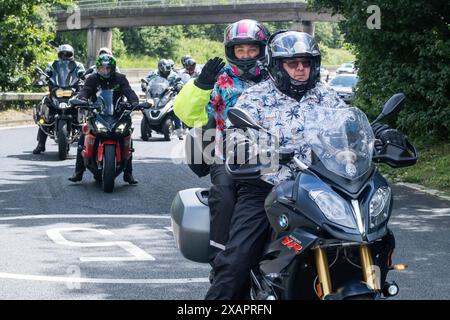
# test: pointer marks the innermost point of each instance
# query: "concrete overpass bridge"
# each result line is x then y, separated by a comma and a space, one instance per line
99, 16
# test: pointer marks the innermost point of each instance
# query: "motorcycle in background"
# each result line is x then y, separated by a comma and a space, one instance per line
159, 117
54, 115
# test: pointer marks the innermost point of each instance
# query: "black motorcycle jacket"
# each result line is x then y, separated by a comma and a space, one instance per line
118, 83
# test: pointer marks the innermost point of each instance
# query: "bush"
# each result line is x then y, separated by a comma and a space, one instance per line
25, 29
409, 54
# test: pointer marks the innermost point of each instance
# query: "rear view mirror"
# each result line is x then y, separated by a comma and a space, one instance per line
241, 119
394, 105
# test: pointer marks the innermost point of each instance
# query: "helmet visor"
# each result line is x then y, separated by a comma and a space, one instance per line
292, 43
65, 55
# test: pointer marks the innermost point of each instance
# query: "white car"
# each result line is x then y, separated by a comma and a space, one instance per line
346, 68
344, 85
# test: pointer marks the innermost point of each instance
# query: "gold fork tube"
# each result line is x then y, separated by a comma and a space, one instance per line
323, 271
368, 268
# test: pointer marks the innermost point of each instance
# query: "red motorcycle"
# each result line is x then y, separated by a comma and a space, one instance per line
107, 143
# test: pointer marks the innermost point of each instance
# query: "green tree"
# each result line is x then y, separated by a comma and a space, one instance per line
324, 33
409, 53
25, 30
152, 41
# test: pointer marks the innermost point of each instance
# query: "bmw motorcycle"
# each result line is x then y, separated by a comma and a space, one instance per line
107, 145
54, 115
160, 116
330, 237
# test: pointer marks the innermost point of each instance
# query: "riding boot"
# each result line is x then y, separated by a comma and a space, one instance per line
79, 165
42, 139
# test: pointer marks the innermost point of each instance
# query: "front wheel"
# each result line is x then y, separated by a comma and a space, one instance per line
167, 128
63, 146
109, 168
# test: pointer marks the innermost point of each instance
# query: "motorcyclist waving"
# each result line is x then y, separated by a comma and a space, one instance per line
208, 99
106, 78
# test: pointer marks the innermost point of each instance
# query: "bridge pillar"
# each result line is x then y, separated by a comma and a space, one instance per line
96, 39
304, 26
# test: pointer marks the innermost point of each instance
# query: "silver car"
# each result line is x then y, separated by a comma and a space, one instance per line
344, 85
346, 68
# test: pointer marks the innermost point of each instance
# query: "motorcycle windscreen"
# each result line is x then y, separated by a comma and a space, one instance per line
342, 139
106, 98
158, 86
62, 75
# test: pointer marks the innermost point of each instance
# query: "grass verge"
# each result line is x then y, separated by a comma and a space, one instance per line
432, 170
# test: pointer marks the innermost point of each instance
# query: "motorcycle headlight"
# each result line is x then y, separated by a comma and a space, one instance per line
121, 128
378, 204
100, 127
333, 207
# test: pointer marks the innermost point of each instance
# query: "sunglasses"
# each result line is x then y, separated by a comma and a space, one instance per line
293, 64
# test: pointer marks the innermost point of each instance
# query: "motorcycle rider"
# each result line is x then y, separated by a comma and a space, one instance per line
279, 104
93, 69
190, 70
108, 78
65, 55
165, 70
208, 99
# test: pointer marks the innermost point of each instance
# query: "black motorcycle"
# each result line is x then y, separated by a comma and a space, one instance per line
107, 145
54, 115
160, 116
330, 236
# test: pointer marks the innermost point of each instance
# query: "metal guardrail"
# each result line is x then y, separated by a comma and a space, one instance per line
124, 4
14, 96
32, 96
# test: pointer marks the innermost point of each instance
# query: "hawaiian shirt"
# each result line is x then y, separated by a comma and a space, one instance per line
284, 117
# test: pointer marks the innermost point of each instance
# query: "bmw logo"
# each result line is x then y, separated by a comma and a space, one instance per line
283, 221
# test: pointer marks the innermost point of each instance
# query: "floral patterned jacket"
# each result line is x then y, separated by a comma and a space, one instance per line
285, 117
224, 95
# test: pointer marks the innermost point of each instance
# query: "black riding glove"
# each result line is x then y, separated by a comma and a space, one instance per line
389, 136
207, 77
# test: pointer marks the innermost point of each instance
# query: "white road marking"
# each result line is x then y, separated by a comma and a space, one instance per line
16, 276
137, 253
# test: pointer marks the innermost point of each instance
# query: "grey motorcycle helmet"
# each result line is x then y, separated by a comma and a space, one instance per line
292, 44
164, 68
184, 59
172, 64
65, 52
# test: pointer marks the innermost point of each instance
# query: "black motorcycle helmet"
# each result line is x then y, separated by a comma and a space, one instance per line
292, 44
66, 52
164, 68
245, 32
106, 66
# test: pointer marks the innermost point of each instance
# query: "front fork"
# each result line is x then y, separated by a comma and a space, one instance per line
324, 287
